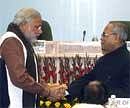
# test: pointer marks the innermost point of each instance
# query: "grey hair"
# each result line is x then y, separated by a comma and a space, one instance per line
121, 29
25, 15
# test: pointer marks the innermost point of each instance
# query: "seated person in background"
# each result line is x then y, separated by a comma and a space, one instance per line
95, 93
112, 69
46, 32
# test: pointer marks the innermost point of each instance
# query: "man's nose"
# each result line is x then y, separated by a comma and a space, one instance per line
101, 38
40, 30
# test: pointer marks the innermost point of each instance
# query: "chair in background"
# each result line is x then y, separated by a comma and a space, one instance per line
46, 32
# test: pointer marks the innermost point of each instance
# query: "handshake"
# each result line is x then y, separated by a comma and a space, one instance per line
54, 91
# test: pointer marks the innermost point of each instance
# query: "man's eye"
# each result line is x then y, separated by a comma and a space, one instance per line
37, 27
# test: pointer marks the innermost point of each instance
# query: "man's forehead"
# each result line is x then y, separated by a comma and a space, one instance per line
36, 20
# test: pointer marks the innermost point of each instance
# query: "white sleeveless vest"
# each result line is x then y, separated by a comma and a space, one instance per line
15, 93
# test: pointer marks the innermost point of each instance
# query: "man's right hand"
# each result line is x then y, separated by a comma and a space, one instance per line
57, 91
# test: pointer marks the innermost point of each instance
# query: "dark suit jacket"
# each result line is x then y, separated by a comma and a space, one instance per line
113, 70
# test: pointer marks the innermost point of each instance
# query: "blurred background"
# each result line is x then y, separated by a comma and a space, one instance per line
70, 19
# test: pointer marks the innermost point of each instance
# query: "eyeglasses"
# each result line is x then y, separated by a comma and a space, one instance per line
35, 27
106, 34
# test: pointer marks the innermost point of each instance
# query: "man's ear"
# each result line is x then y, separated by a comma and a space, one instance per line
117, 38
23, 26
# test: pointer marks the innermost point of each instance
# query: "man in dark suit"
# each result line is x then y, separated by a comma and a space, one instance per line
112, 69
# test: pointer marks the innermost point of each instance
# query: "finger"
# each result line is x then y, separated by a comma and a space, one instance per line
60, 96
64, 86
52, 99
54, 85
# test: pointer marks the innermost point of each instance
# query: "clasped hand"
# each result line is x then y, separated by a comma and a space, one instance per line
56, 91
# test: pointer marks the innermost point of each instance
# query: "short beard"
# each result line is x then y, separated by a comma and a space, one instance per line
33, 39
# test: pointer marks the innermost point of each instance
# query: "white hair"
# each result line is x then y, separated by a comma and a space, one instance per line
25, 15
121, 29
